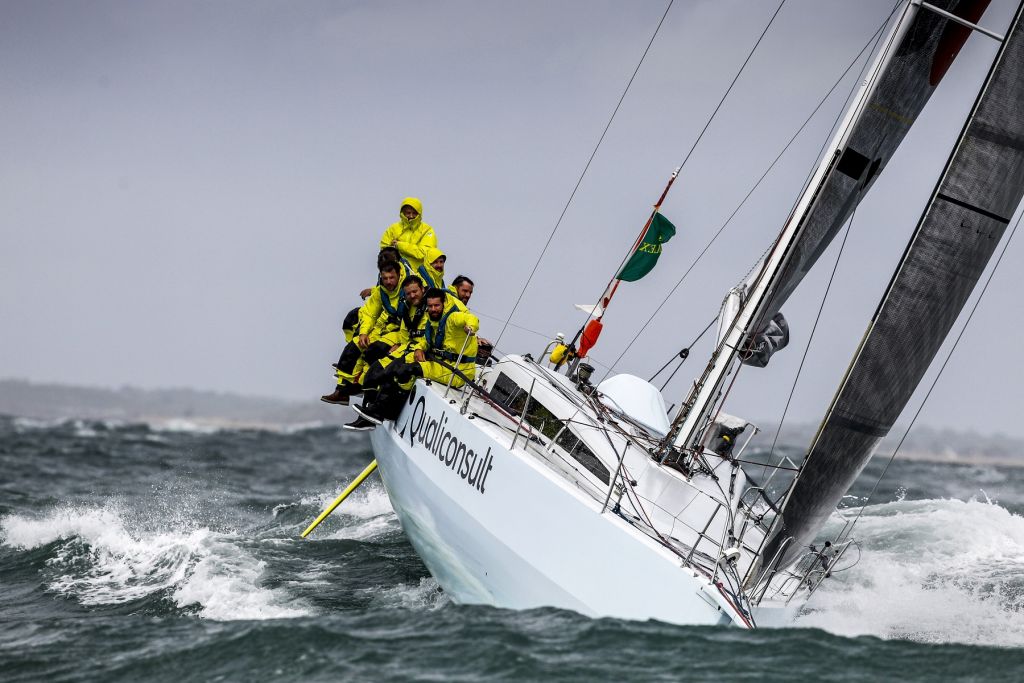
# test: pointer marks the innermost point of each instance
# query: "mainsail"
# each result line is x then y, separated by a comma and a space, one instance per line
978, 192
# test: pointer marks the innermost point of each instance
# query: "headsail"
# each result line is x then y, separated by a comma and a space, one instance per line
979, 191
909, 65
901, 93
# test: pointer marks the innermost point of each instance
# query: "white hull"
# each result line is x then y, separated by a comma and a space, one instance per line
520, 536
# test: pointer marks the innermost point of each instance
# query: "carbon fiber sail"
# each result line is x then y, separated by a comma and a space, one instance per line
978, 192
921, 59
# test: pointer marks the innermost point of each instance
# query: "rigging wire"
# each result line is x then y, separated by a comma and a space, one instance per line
521, 327
547, 337
810, 340
679, 168
873, 39
935, 381
729, 89
683, 354
554, 230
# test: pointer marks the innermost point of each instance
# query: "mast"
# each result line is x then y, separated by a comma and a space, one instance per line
689, 423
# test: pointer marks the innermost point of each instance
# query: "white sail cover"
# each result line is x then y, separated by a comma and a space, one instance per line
637, 399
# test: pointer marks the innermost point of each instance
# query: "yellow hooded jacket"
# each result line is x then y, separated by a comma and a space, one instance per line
443, 339
413, 237
432, 277
454, 296
378, 308
409, 331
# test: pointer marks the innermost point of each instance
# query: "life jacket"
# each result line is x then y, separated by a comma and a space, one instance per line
393, 312
435, 334
413, 323
429, 280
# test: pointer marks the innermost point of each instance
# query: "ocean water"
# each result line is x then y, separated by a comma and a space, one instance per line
129, 552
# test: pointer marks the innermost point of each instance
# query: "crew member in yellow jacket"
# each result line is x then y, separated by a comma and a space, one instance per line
414, 319
462, 288
448, 342
410, 235
379, 313
390, 254
432, 270
449, 336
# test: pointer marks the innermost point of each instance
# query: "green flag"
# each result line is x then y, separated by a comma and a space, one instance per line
649, 249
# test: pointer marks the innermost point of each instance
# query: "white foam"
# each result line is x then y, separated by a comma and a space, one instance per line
84, 429
225, 584
365, 514
181, 425
426, 595
103, 563
366, 529
214, 425
932, 571
63, 523
369, 500
24, 424
300, 427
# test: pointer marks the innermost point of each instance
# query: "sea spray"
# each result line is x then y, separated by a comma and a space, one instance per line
98, 561
931, 571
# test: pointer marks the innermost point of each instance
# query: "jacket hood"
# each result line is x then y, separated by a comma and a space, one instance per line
431, 255
416, 204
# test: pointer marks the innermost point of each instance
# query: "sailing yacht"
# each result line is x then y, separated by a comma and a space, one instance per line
531, 486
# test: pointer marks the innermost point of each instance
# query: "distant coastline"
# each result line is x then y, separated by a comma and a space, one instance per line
21, 398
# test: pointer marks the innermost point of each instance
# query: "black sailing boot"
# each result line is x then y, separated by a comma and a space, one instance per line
361, 424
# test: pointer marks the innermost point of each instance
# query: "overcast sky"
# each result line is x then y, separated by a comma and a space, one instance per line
191, 193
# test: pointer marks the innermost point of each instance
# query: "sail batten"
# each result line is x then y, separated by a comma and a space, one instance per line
978, 191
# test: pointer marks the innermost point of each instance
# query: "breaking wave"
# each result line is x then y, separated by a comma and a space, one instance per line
97, 560
935, 571
201, 427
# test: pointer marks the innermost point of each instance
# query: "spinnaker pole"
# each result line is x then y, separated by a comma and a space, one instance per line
340, 499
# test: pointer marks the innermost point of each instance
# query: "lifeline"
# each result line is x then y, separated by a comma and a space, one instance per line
470, 465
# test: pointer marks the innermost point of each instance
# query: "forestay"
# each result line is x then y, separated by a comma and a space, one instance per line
978, 192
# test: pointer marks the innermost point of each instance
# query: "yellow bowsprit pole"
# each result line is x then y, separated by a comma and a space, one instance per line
344, 494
